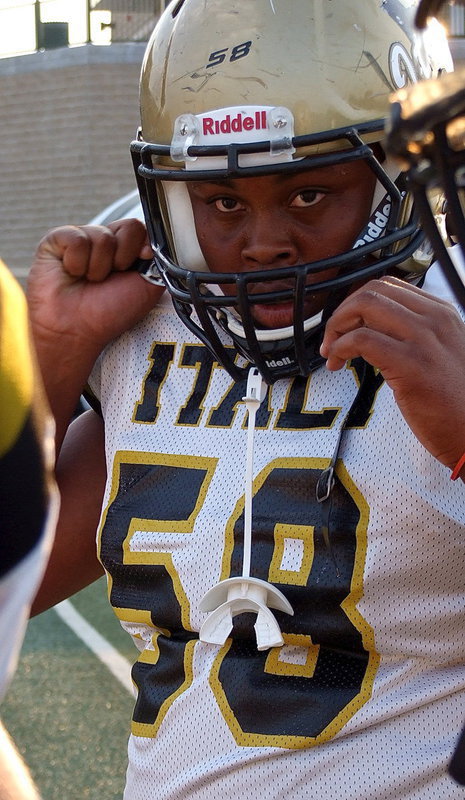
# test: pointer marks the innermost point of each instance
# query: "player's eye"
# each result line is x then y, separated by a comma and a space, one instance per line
309, 197
226, 204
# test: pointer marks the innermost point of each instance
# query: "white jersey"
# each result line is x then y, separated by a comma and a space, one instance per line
366, 697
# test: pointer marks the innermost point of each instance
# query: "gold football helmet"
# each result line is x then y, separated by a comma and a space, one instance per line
235, 89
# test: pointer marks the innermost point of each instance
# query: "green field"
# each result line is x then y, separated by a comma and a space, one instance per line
67, 713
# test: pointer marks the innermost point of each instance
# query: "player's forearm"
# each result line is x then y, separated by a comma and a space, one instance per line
81, 474
65, 365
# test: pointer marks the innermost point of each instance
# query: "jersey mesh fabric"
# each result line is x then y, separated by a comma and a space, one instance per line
367, 695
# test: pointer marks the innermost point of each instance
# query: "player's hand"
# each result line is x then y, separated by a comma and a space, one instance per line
79, 287
418, 344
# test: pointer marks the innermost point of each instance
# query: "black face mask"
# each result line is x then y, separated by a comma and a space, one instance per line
426, 132
224, 322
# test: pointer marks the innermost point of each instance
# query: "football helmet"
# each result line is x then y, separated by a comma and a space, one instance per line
233, 89
426, 132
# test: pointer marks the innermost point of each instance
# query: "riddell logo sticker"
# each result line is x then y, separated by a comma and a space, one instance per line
234, 124
375, 227
279, 362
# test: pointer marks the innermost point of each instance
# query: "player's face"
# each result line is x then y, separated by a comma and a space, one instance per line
282, 220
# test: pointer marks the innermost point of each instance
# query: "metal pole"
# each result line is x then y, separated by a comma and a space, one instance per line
88, 39
38, 25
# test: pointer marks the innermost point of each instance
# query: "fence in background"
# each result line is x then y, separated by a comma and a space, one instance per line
30, 25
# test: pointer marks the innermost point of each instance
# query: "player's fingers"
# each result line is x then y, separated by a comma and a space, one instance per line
390, 308
81, 251
412, 296
67, 247
407, 295
131, 242
101, 247
378, 349
94, 251
373, 310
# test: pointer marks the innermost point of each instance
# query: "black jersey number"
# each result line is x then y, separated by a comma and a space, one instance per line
293, 696
153, 492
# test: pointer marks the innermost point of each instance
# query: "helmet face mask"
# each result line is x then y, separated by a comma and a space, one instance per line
198, 132
426, 133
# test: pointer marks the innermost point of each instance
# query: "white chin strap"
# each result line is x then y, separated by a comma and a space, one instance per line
268, 334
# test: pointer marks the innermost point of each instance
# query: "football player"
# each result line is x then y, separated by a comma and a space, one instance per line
28, 504
295, 588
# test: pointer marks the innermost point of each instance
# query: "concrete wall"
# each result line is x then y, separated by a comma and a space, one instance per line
66, 119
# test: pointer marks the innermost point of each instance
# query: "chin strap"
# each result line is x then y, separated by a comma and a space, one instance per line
243, 593
326, 481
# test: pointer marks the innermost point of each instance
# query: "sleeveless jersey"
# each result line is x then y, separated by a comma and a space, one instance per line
367, 695
28, 498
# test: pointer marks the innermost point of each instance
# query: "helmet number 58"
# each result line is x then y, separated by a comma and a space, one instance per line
229, 54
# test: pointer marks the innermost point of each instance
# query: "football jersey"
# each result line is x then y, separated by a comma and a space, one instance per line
366, 697
28, 497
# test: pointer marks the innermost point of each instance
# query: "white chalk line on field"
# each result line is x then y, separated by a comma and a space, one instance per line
105, 652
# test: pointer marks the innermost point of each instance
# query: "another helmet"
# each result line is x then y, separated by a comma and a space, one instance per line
234, 89
426, 132
426, 9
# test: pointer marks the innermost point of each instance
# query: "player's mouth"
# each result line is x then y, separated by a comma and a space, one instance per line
281, 314
273, 315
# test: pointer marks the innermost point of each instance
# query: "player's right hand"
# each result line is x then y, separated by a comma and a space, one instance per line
79, 286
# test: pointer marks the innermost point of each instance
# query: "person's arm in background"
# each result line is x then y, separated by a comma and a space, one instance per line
15, 780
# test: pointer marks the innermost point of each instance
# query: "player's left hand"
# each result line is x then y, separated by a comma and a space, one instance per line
418, 344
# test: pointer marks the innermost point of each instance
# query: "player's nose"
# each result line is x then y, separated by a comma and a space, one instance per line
268, 242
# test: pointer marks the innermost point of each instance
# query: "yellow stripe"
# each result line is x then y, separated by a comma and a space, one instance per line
16, 370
